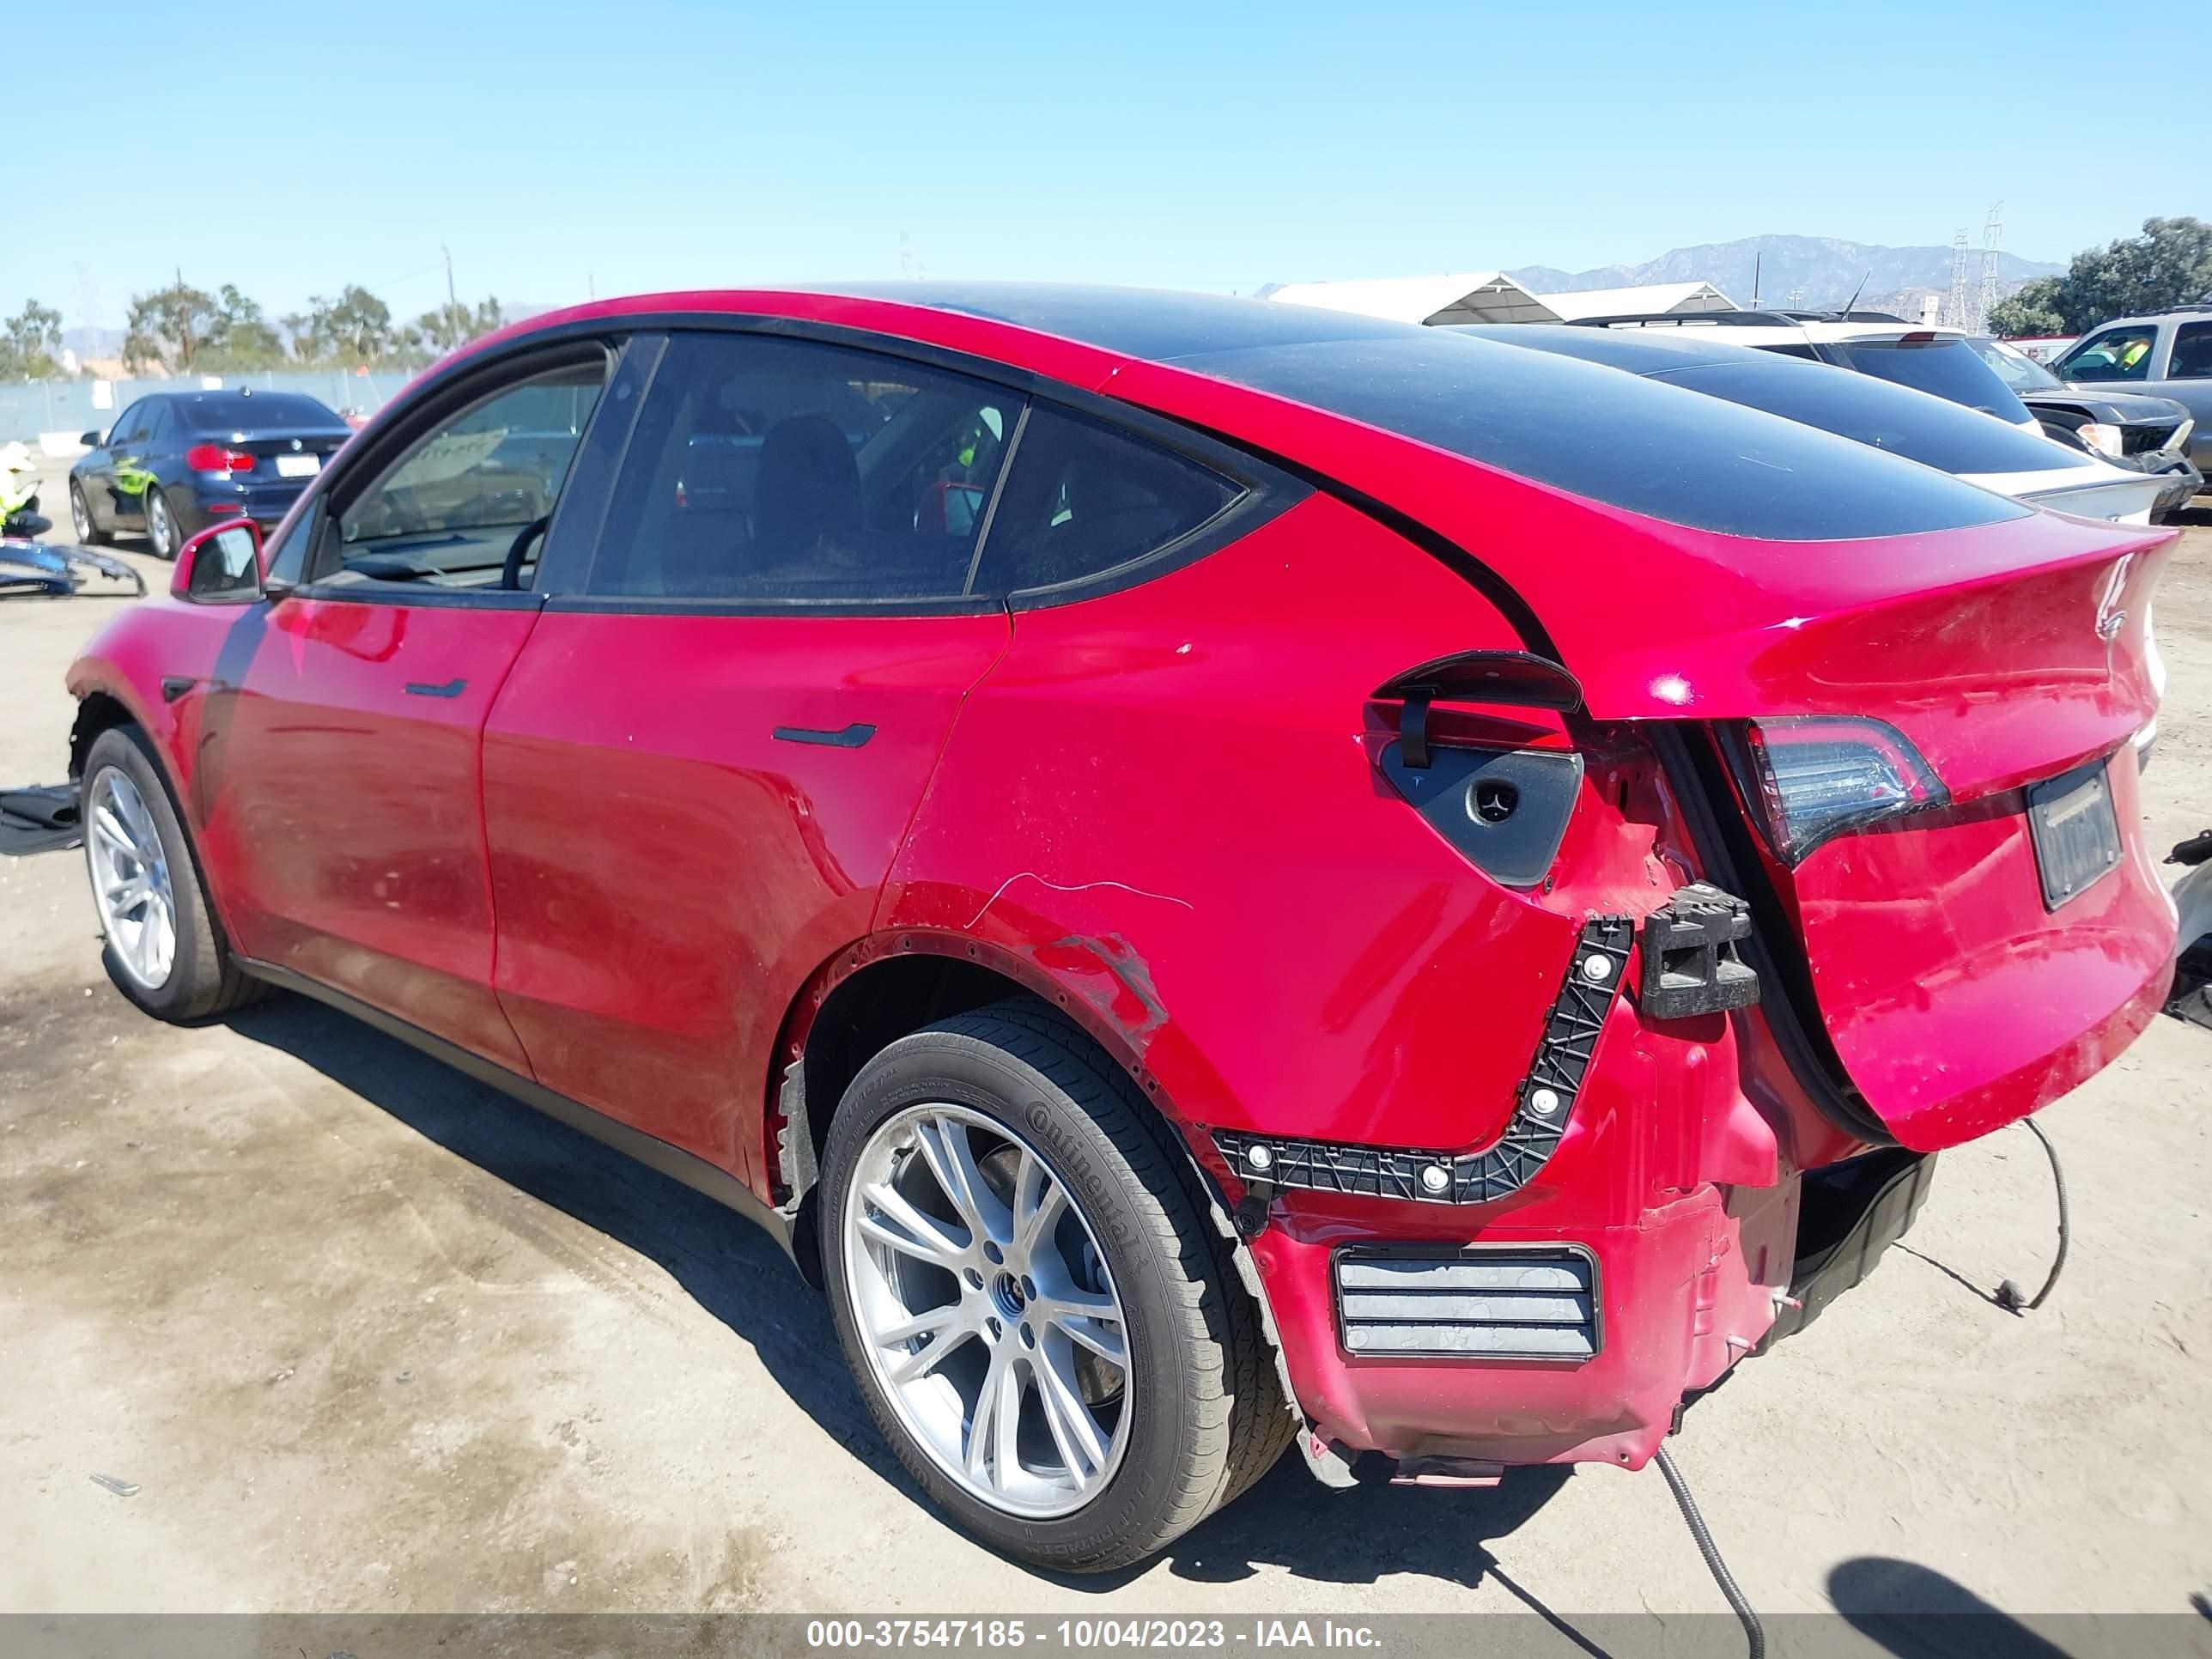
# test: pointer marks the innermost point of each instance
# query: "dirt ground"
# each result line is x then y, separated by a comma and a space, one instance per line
367, 1337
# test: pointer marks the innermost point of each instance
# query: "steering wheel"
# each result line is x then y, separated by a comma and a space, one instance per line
510, 575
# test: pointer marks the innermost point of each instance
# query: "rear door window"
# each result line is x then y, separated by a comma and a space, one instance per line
1084, 499
2192, 353
785, 472
2116, 354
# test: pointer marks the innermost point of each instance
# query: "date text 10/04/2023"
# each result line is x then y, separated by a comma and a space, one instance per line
1086, 1635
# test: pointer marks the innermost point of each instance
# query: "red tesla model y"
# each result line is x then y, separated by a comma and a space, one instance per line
1224, 876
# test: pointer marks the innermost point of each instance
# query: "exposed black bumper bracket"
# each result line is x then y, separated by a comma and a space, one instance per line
1691, 964
1543, 1104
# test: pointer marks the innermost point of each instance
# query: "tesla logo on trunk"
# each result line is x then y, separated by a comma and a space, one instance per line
2110, 617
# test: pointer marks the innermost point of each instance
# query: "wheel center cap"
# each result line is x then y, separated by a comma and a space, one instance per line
1006, 1292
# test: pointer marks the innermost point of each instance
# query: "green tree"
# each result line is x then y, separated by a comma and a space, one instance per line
2169, 263
169, 328
2032, 309
452, 325
31, 343
241, 338
352, 331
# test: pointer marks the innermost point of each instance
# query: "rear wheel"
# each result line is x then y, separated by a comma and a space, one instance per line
163, 949
1043, 1325
87, 532
162, 537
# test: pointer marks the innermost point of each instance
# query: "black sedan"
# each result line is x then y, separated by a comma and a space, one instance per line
175, 462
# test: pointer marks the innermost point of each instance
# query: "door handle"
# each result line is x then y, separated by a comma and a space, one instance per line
450, 689
851, 737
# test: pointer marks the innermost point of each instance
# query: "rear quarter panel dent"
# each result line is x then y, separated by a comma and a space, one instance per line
1162, 801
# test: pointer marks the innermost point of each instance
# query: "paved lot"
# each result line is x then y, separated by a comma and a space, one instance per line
368, 1337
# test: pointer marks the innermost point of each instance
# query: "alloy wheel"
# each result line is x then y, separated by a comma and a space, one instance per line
986, 1312
130, 879
80, 515
160, 527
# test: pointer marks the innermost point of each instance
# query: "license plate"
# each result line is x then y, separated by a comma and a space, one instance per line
298, 466
2075, 830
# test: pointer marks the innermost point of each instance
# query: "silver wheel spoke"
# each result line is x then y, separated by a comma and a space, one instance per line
907, 1230
1074, 1430
141, 826
946, 1327
1066, 1301
109, 828
998, 1416
1094, 1334
952, 1159
1039, 1202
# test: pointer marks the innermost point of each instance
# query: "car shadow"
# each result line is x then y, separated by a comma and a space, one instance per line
731, 1268
1357, 1534
738, 1275
1918, 1613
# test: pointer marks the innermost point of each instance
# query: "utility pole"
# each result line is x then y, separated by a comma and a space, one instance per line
452, 305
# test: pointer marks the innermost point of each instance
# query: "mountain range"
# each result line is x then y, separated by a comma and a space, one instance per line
1796, 271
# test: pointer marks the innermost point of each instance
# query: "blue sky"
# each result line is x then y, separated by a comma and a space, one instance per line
631, 145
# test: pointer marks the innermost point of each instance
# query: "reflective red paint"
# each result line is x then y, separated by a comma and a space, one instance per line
1159, 809
668, 872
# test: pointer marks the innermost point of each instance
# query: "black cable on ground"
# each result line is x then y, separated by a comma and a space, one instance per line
1754, 1632
2008, 1296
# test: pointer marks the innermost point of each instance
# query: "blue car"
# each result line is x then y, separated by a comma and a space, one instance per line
174, 462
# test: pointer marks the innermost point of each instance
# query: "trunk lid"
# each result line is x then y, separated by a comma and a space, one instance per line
1964, 971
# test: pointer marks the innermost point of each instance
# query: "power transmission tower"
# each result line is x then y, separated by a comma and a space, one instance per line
1954, 302
1988, 296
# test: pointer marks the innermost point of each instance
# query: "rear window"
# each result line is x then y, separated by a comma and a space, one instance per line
1868, 411
1628, 442
1083, 499
258, 411
1950, 369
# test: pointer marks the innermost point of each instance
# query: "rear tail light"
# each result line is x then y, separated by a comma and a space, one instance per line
217, 458
1815, 778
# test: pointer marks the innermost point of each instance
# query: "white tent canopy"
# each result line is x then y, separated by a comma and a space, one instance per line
1479, 296
1651, 297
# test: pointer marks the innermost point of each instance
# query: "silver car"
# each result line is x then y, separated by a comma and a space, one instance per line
2167, 353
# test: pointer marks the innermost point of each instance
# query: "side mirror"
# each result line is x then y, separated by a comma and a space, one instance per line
221, 565
92, 439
